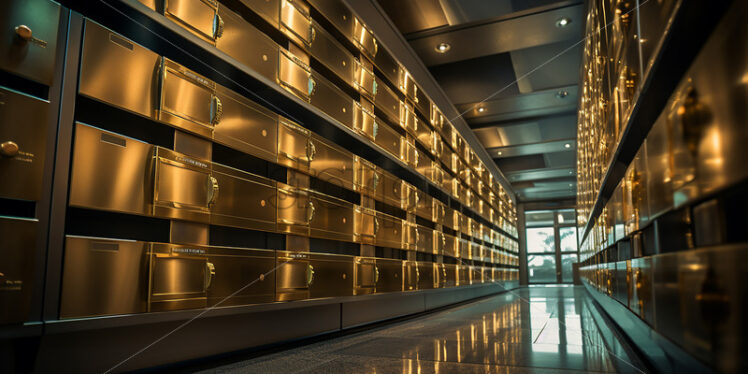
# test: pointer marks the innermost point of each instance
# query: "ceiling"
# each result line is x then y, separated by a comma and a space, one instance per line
512, 71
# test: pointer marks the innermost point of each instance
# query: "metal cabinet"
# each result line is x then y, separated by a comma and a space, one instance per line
424, 239
365, 81
388, 139
111, 172
387, 64
424, 205
104, 277
28, 38
198, 16
427, 276
248, 45
23, 136
389, 231
293, 276
294, 75
331, 100
390, 275
388, 102
410, 276
296, 22
333, 275
17, 264
334, 56
338, 14
105, 56
330, 218
246, 126
246, 200
179, 279
302, 150
451, 246
365, 275
330, 162
184, 187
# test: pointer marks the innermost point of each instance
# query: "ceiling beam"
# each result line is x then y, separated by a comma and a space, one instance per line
485, 39
556, 145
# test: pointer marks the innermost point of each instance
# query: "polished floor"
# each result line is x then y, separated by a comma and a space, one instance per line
550, 329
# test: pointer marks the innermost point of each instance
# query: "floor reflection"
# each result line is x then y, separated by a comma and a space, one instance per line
532, 330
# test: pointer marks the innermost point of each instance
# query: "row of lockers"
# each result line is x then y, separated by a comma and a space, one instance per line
115, 173
693, 152
123, 277
380, 103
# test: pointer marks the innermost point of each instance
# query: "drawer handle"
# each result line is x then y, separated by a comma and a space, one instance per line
694, 118
376, 274
217, 26
212, 190
309, 275
374, 130
210, 272
24, 32
8, 149
311, 86
376, 225
376, 181
312, 33
216, 110
311, 150
310, 211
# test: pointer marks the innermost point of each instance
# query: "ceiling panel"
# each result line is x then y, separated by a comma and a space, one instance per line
462, 11
472, 41
559, 101
532, 148
477, 79
532, 175
412, 16
510, 164
548, 66
561, 159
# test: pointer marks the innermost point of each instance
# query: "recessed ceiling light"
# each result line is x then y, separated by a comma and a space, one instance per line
567, 145
499, 153
563, 22
481, 109
562, 94
443, 47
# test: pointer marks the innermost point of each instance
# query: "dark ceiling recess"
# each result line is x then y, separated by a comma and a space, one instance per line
514, 164
519, 63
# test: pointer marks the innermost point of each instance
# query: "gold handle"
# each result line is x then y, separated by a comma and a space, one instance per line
217, 27
376, 225
309, 275
376, 181
24, 32
376, 274
311, 150
216, 110
210, 272
310, 211
312, 33
212, 190
694, 118
311, 86
8, 149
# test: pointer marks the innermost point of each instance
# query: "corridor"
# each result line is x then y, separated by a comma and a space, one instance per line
545, 329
